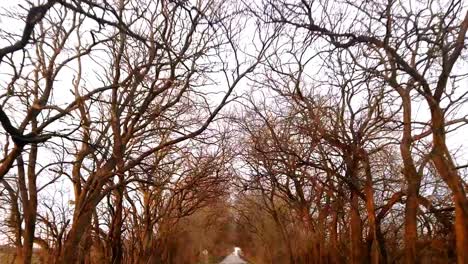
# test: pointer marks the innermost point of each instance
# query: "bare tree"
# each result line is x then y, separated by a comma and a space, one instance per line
414, 54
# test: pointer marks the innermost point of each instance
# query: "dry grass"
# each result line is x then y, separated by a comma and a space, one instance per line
7, 256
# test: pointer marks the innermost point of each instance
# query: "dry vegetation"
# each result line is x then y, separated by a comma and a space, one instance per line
167, 131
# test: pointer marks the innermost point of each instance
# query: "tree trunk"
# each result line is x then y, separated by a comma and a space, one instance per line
28, 236
80, 224
413, 181
28, 193
445, 166
411, 235
84, 208
333, 252
356, 230
116, 229
374, 247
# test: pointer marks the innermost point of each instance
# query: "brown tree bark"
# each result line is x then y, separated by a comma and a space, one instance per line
28, 193
84, 209
374, 247
116, 228
333, 250
355, 230
444, 164
413, 182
